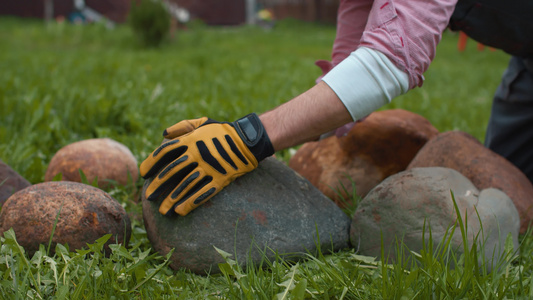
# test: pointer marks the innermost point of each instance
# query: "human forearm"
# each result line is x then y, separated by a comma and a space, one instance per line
359, 85
305, 118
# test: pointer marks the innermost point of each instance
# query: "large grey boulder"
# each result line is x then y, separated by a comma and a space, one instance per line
403, 205
272, 209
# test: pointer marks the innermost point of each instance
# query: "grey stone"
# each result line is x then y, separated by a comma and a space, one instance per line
486, 169
10, 182
272, 210
405, 204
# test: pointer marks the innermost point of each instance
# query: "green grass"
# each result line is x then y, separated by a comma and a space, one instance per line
60, 84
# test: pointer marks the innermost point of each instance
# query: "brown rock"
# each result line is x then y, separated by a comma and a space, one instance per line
103, 158
85, 213
381, 145
462, 152
10, 182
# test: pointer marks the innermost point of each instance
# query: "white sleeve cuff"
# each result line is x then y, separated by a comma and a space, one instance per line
365, 81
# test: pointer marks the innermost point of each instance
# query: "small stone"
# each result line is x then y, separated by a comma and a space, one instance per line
85, 214
381, 145
103, 158
486, 169
406, 204
10, 182
269, 209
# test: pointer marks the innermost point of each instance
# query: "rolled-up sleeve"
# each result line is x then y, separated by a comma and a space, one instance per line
407, 32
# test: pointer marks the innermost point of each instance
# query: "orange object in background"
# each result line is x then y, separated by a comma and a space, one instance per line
463, 38
461, 44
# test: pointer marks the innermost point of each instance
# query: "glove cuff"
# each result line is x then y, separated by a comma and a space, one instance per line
254, 136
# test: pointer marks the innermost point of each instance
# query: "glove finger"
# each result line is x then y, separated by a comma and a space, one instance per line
194, 200
162, 156
186, 191
183, 127
170, 177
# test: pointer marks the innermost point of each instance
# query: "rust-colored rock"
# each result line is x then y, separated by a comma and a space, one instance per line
85, 213
381, 145
10, 182
103, 158
464, 153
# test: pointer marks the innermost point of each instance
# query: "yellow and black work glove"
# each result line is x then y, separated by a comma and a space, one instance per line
202, 157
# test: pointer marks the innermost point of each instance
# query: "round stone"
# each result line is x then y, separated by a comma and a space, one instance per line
84, 214
105, 159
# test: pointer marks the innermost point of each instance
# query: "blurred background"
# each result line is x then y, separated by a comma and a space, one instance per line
212, 12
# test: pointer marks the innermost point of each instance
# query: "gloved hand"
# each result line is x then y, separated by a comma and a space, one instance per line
202, 157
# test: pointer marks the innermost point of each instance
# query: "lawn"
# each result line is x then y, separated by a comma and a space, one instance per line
61, 83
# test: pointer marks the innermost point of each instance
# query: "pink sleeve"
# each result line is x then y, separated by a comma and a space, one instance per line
406, 31
351, 21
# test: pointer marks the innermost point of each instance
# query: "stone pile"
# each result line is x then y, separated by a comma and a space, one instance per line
412, 180
68, 211
405, 171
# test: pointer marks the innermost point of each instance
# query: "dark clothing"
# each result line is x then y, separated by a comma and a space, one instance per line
506, 25
510, 128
